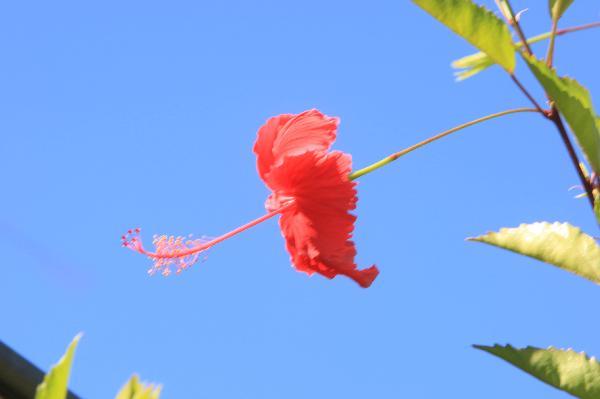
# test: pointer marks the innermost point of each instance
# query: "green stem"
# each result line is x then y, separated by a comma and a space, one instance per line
550, 52
396, 155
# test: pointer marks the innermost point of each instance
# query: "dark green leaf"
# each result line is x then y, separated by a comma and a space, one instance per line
566, 370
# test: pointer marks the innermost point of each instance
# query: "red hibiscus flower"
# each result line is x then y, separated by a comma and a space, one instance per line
310, 189
294, 161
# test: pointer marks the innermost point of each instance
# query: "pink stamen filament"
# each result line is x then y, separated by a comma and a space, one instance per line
207, 245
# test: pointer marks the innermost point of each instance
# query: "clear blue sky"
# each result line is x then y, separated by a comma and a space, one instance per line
143, 113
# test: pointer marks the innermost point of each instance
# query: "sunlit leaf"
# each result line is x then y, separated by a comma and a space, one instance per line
558, 7
471, 65
135, 389
575, 103
505, 10
559, 244
477, 25
56, 381
567, 370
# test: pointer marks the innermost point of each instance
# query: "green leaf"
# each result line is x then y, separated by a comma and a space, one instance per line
559, 244
135, 389
597, 208
473, 64
567, 370
575, 103
55, 382
558, 8
478, 25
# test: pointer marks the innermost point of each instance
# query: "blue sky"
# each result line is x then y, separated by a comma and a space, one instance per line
125, 114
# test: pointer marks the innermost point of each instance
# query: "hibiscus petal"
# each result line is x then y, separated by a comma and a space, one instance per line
318, 230
287, 135
263, 147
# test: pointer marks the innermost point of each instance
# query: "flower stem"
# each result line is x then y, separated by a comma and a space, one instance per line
396, 155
